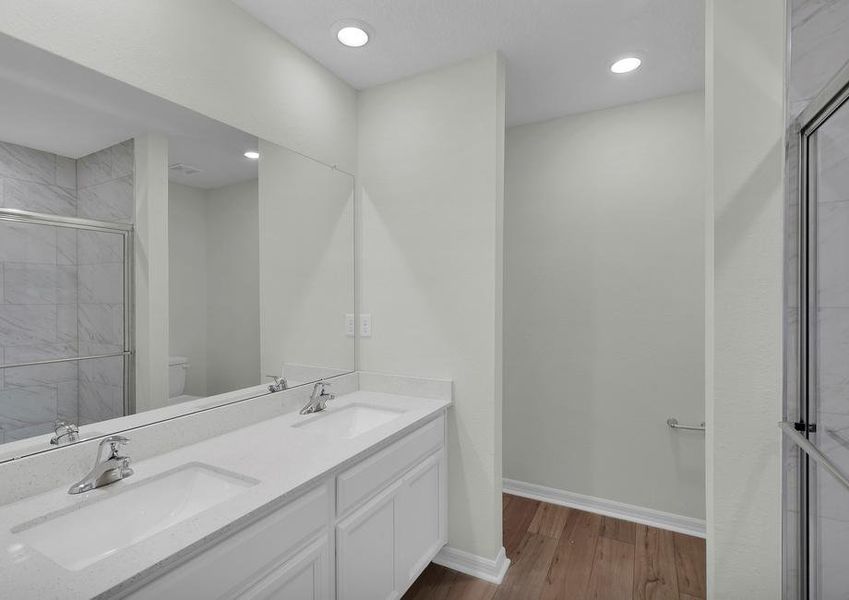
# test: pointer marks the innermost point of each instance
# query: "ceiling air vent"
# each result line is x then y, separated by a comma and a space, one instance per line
183, 169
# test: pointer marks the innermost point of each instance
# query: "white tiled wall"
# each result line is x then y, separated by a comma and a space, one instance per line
61, 290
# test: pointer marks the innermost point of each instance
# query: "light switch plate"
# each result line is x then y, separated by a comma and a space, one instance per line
349, 325
365, 325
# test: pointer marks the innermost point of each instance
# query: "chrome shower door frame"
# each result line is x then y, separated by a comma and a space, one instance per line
802, 433
125, 230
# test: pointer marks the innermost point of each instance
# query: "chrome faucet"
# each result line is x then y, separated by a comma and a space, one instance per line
64, 433
279, 384
108, 469
319, 398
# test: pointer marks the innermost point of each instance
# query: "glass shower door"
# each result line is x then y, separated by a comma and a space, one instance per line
829, 402
822, 429
65, 350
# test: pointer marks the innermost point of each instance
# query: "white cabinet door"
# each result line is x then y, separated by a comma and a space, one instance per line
384, 546
365, 550
303, 577
420, 519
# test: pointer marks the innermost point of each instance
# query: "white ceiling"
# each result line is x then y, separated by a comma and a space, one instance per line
558, 51
52, 104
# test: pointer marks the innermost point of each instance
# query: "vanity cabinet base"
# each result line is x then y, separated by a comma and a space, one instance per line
383, 546
367, 545
273, 549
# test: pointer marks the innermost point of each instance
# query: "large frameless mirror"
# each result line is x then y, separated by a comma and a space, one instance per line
154, 261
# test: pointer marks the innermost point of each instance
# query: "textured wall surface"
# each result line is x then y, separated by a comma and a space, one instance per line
188, 249
214, 285
604, 304
430, 165
745, 108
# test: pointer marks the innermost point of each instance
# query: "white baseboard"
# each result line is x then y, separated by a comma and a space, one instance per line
474, 565
609, 508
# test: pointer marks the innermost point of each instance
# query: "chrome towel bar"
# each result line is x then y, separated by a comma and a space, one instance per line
673, 423
54, 361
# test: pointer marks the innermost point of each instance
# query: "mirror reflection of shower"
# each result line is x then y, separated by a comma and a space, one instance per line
130, 258
64, 239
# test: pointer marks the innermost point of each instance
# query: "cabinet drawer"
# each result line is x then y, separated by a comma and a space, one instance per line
365, 479
226, 569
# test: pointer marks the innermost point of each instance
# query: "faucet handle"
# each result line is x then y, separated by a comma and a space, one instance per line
115, 439
280, 384
126, 470
114, 442
64, 431
324, 394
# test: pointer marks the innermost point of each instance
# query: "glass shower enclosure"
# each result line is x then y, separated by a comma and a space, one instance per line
66, 290
816, 426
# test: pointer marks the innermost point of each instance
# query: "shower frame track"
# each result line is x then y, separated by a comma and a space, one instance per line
805, 128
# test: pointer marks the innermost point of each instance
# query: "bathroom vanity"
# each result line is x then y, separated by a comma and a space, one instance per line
347, 503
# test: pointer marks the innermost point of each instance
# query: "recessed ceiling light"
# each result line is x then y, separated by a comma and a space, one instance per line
626, 65
351, 33
252, 154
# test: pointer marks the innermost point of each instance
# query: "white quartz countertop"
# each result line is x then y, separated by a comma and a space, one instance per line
285, 460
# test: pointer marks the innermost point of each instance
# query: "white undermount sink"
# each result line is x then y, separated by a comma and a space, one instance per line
84, 534
348, 421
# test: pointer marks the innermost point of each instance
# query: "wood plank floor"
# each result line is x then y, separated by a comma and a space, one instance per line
561, 553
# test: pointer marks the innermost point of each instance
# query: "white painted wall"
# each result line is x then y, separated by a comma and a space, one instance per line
207, 55
151, 271
214, 285
604, 304
187, 276
430, 150
306, 233
745, 111
232, 287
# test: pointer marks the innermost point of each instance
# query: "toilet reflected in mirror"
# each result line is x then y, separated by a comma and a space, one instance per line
178, 367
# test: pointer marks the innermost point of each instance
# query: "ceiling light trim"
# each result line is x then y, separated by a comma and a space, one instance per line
626, 64
338, 26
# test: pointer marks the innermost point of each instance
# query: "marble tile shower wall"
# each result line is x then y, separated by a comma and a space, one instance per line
39, 293
60, 288
105, 190
819, 48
